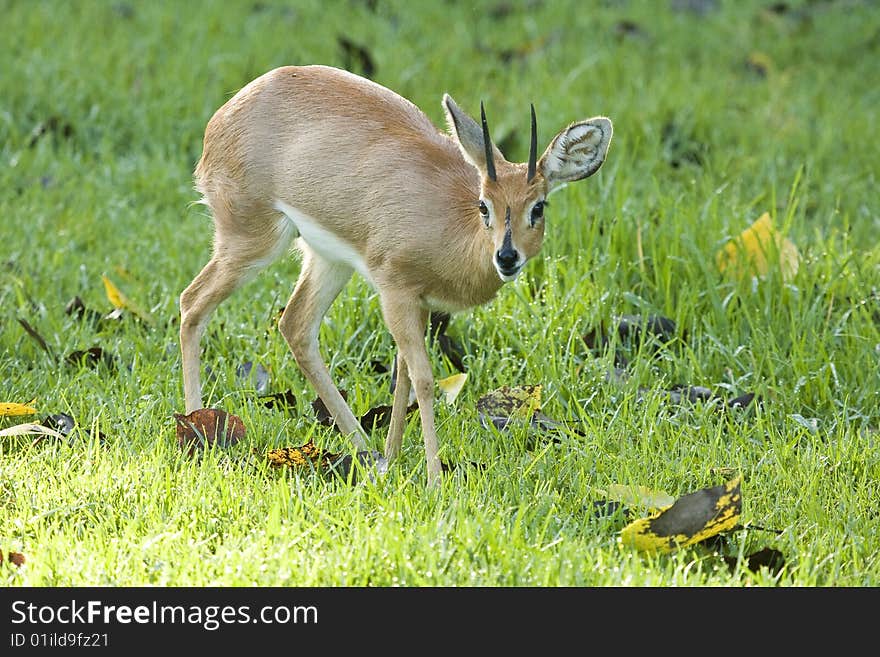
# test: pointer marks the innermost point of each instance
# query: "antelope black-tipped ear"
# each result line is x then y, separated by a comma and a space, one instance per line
469, 136
577, 151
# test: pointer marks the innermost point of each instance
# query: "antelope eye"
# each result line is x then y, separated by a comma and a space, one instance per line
484, 211
537, 212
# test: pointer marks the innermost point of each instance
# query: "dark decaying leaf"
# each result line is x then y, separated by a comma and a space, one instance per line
450, 467
65, 424
682, 394
691, 519
91, 357
206, 427
437, 332
280, 400
630, 327
511, 402
378, 367
60, 422
770, 558
322, 415
510, 406
258, 373
76, 308
689, 393
373, 462
40, 340
376, 417
608, 508
742, 401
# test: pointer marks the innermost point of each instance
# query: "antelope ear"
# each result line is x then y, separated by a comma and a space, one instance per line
468, 134
576, 152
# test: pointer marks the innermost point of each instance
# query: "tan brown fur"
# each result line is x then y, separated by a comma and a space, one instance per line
370, 176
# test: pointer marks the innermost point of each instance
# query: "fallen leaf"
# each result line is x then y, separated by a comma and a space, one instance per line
607, 508
308, 454
511, 402
258, 373
321, 413
16, 559
30, 429
8, 409
758, 249
637, 496
691, 519
91, 357
76, 308
208, 426
770, 558
40, 340
311, 457
60, 422
284, 399
451, 386
378, 416
120, 301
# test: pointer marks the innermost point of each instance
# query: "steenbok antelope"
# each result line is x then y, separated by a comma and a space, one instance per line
367, 183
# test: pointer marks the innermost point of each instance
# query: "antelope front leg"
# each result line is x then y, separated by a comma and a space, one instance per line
407, 321
398, 410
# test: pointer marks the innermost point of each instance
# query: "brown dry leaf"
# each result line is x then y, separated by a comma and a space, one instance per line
16, 559
758, 249
208, 426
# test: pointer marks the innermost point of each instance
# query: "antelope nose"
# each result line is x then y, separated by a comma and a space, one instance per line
506, 258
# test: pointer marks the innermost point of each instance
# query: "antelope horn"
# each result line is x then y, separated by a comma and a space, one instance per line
533, 147
487, 143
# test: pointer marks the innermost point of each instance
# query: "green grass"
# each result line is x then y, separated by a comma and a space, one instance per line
704, 143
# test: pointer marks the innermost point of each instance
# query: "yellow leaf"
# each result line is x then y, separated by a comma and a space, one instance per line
11, 408
758, 249
297, 457
114, 294
119, 300
691, 519
638, 496
452, 385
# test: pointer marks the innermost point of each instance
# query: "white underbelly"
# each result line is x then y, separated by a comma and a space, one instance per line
323, 242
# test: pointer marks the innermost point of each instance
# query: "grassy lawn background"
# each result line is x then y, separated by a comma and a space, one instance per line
722, 111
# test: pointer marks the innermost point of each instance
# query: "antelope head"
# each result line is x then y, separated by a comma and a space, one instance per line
513, 196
